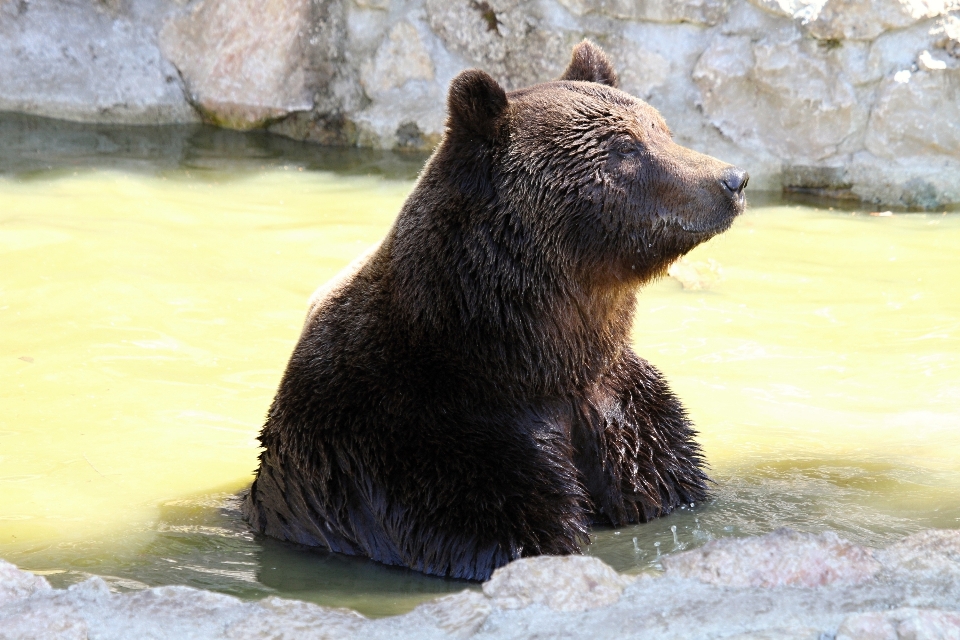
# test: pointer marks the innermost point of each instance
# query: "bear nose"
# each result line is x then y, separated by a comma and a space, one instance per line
735, 180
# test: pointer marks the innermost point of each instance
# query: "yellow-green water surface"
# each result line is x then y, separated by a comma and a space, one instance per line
146, 317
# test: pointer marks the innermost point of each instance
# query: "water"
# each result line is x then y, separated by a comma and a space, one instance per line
153, 283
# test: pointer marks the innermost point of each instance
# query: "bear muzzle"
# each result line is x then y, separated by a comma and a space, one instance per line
734, 180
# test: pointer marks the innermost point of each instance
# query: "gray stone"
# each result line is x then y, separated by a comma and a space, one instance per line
461, 615
846, 98
16, 585
783, 585
89, 61
901, 624
300, 620
782, 558
932, 553
400, 58
562, 583
706, 12
838, 20
516, 42
248, 62
917, 113
867, 19
754, 91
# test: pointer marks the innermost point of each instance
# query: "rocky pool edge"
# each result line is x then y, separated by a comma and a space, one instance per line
785, 584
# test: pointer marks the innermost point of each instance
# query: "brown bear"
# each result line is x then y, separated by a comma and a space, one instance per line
468, 395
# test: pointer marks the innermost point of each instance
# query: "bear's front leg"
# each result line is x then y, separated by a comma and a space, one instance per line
634, 446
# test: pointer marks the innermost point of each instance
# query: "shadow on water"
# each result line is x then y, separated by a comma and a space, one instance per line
34, 146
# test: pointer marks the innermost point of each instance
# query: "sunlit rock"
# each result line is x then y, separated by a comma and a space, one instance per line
901, 624
246, 62
755, 91
89, 61
802, 10
782, 558
781, 585
16, 584
460, 615
567, 583
279, 618
837, 20
518, 43
917, 112
400, 58
933, 553
946, 35
706, 12
867, 19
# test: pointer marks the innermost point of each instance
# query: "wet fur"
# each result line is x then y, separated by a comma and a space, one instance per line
470, 395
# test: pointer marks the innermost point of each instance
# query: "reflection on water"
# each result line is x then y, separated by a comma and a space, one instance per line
153, 282
33, 147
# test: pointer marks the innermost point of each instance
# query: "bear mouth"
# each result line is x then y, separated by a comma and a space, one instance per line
707, 227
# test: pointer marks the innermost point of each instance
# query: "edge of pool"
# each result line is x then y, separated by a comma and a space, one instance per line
784, 584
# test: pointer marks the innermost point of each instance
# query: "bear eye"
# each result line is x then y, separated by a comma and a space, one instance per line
625, 147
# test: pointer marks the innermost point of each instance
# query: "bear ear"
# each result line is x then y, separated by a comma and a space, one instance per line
475, 104
590, 64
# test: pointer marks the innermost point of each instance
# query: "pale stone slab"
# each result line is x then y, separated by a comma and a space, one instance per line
867, 19
782, 558
400, 58
567, 583
917, 112
863, 92
706, 12
901, 624
782, 585
16, 584
243, 61
90, 62
755, 91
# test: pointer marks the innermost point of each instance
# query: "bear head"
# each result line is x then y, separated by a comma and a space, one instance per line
588, 173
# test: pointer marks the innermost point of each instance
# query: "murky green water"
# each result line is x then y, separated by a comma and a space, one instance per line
152, 285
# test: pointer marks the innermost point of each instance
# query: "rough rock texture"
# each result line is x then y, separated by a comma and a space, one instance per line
244, 62
850, 98
901, 623
562, 583
782, 558
89, 60
744, 589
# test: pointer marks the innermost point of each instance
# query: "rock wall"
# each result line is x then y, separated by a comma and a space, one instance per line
850, 98
782, 585
89, 60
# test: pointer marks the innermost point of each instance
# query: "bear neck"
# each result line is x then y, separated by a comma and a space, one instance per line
497, 309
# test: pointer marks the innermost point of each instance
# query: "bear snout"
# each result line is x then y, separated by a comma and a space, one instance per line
734, 180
